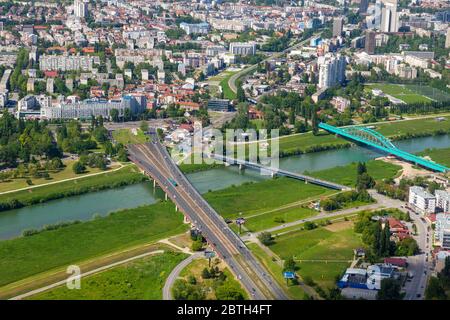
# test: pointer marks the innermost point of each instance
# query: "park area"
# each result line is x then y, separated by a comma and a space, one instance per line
411, 93
141, 279
321, 254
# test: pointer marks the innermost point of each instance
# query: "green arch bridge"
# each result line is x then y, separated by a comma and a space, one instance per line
376, 140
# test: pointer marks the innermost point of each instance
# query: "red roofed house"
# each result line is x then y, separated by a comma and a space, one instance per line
187, 127
398, 229
398, 262
51, 74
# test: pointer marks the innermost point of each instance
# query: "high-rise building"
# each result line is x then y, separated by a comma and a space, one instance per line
337, 26
370, 42
331, 70
447, 39
80, 8
389, 16
363, 6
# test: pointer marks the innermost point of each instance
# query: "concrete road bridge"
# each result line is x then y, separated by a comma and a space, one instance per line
155, 161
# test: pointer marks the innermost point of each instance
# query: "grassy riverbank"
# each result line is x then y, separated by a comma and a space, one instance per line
124, 176
346, 175
250, 198
142, 279
26, 256
441, 156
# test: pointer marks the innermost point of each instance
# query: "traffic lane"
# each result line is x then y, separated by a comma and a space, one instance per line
213, 239
220, 221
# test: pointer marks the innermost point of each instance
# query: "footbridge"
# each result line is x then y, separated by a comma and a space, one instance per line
280, 172
371, 138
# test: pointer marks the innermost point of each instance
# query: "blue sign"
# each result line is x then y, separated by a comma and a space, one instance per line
210, 254
289, 275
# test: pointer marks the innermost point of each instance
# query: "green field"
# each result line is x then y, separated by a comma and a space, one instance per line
424, 126
65, 173
227, 92
429, 92
141, 279
346, 175
400, 91
257, 197
441, 156
295, 292
318, 244
268, 220
125, 136
324, 243
27, 256
126, 175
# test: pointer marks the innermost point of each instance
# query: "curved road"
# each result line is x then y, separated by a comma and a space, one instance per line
167, 293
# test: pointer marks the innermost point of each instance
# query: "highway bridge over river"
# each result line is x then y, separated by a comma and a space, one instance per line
155, 161
280, 172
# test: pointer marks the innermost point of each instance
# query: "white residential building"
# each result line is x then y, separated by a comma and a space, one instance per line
200, 28
422, 200
443, 200
442, 231
389, 16
331, 70
80, 8
244, 49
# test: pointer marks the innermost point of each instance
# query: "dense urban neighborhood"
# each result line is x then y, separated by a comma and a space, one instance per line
225, 150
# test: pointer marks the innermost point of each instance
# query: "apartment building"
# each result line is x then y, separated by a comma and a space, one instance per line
331, 70
422, 200
243, 49
67, 63
200, 28
442, 231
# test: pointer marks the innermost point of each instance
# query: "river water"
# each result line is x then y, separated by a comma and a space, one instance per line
83, 207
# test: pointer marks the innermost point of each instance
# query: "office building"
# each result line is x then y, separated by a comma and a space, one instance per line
389, 16
219, 105
331, 70
337, 26
94, 107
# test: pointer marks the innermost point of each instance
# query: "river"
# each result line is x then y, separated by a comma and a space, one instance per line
84, 207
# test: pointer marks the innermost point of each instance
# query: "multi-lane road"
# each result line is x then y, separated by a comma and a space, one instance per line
156, 162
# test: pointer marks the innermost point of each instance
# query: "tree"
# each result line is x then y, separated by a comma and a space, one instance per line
435, 290
197, 245
265, 238
78, 167
206, 274
144, 126
114, 114
390, 290
289, 264
228, 291
240, 94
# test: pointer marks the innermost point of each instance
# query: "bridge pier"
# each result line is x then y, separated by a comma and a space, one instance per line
241, 167
176, 208
154, 183
185, 220
165, 196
